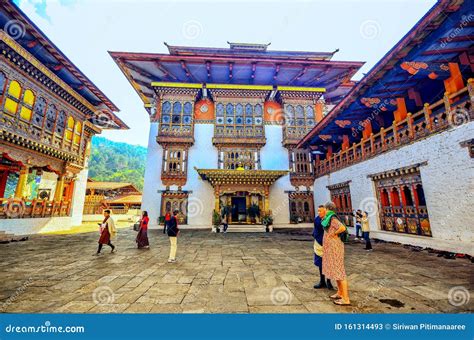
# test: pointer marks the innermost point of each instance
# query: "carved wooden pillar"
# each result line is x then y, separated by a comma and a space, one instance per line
22, 181
58, 194
427, 111
395, 134
411, 132
266, 203
382, 138
217, 199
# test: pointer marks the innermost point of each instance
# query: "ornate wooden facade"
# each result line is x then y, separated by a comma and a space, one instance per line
46, 121
241, 91
402, 203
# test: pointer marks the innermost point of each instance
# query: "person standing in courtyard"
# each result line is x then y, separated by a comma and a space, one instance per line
173, 232
142, 236
166, 222
366, 231
318, 234
107, 232
224, 222
333, 250
358, 223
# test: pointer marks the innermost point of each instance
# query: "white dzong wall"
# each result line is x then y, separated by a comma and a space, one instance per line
151, 198
274, 156
202, 155
448, 183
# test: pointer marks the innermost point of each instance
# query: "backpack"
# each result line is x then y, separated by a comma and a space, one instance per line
344, 236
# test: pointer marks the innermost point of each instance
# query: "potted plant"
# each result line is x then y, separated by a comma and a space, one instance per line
253, 211
216, 221
267, 221
161, 220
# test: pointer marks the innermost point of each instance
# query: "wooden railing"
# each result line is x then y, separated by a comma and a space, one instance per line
36, 208
449, 111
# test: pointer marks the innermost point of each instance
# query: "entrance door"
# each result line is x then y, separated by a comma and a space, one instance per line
239, 210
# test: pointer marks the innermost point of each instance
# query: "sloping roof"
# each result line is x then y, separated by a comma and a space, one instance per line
130, 199
439, 37
109, 185
245, 64
17, 24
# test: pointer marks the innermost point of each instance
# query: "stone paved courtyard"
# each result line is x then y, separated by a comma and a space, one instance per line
232, 273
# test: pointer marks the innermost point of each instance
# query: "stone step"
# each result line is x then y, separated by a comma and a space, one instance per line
236, 228
7, 238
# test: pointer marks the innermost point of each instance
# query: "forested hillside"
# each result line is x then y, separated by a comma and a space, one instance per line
117, 162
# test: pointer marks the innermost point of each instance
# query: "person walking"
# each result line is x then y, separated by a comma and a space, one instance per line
333, 250
366, 231
107, 232
173, 232
358, 224
318, 234
142, 236
224, 222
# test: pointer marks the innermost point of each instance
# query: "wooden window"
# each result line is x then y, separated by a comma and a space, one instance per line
39, 112
300, 162
299, 119
27, 105
402, 202
236, 119
232, 158
50, 118
69, 128
13, 97
77, 133
341, 196
61, 122
176, 117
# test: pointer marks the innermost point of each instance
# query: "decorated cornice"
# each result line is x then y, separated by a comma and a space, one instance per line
398, 172
256, 142
245, 177
338, 185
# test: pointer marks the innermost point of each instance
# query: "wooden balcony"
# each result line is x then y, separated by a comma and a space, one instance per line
447, 112
13, 208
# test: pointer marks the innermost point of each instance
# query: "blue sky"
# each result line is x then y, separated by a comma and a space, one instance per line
86, 29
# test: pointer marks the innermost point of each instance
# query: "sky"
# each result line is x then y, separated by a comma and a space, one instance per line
86, 29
